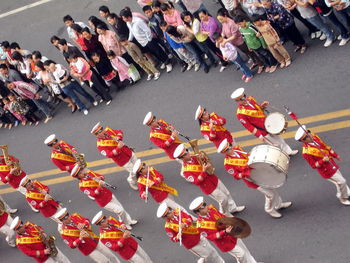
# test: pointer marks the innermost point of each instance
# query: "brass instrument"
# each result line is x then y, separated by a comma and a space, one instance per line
79, 157
12, 164
2, 208
240, 228
49, 242
202, 156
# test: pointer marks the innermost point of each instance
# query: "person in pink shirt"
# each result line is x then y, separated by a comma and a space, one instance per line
230, 33
143, 3
171, 15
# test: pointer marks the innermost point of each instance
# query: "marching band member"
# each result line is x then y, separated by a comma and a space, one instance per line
252, 117
62, 153
197, 173
187, 234
110, 144
206, 224
212, 126
5, 223
157, 188
76, 232
92, 184
235, 163
37, 195
162, 134
113, 234
320, 156
32, 241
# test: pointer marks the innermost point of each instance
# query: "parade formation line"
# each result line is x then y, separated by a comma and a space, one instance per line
210, 150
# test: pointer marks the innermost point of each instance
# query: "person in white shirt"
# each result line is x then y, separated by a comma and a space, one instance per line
69, 21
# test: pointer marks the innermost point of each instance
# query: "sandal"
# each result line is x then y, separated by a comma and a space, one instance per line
260, 69
297, 48
282, 65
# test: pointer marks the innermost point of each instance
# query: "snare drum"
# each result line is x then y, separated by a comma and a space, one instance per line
269, 166
276, 123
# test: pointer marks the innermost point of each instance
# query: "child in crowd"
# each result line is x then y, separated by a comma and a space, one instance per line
7, 107
230, 53
6, 118
121, 65
256, 43
21, 110
272, 40
136, 54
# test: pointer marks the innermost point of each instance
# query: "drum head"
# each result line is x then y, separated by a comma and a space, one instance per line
275, 123
267, 175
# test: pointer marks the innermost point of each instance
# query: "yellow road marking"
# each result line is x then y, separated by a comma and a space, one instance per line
210, 150
306, 120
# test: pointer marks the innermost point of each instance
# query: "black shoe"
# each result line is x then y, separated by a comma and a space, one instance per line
206, 69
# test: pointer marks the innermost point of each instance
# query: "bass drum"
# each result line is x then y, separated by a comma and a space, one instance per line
276, 123
269, 166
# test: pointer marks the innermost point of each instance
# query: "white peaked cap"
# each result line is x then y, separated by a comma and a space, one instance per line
179, 151
196, 203
15, 223
223, 146
162, 209
199, 113
136, 166
49, 139
237, 93
147, 118
300, 133
97, 217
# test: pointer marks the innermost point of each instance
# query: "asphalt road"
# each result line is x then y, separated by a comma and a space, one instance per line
314, 230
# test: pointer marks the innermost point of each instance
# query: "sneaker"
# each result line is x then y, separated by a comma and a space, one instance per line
344, 201
156, 76
318, 34
288, 63
222, 68
294, 152
206, 69
273, 69
189, 67
149, 77
343, 41
95, 103
12, 210
328, 42
248, 79
16, 123
285, 205
101, 100
205, 56
86, 112
313, 35
133, 222
197, 67
162, 66
169, 68
323, 37
108, 102
275, 214
37, 123
128, 227
339, 37
243, 77
238, 209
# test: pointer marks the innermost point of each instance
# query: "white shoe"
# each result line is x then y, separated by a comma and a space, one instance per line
197, 67
108, 102
133, 222
156, 76
343, 41
201, 260
205, 56
313, 35
328, 43
339, 37
275, 214
86, 112
149, 77
285, 205
12, 210
169, 68
323, 37
293, 152
318, 34
238, 209
189, 67
344, 201
128, 227
10, 243
162, 66
222, 68
95, 103
35, 210
133, 186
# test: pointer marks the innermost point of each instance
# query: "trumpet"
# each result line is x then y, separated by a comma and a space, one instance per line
12, 164
171, 128
202, 156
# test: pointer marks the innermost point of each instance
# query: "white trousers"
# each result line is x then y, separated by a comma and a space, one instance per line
102, 254
60, 258
10, 234
273, 200
343, 190
140, 256
279, 142
7, 207
116, 207
206, 251
132, 180
222, 195
241, 253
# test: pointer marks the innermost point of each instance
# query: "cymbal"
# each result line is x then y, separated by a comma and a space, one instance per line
241, 229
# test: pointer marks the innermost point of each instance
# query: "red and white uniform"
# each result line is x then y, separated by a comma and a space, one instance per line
103, 196
191, 238
225, 242
124, 156
161, 137
127, 248
252, 117
8, 178
209, 184
63, 158
236, 165
218, 132
328, 170
5, 223
88, 246
37, 200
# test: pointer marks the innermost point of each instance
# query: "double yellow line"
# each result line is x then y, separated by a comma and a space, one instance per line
114, 169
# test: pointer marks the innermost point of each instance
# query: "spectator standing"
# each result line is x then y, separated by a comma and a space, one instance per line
171, 15
342, 8
69, 21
